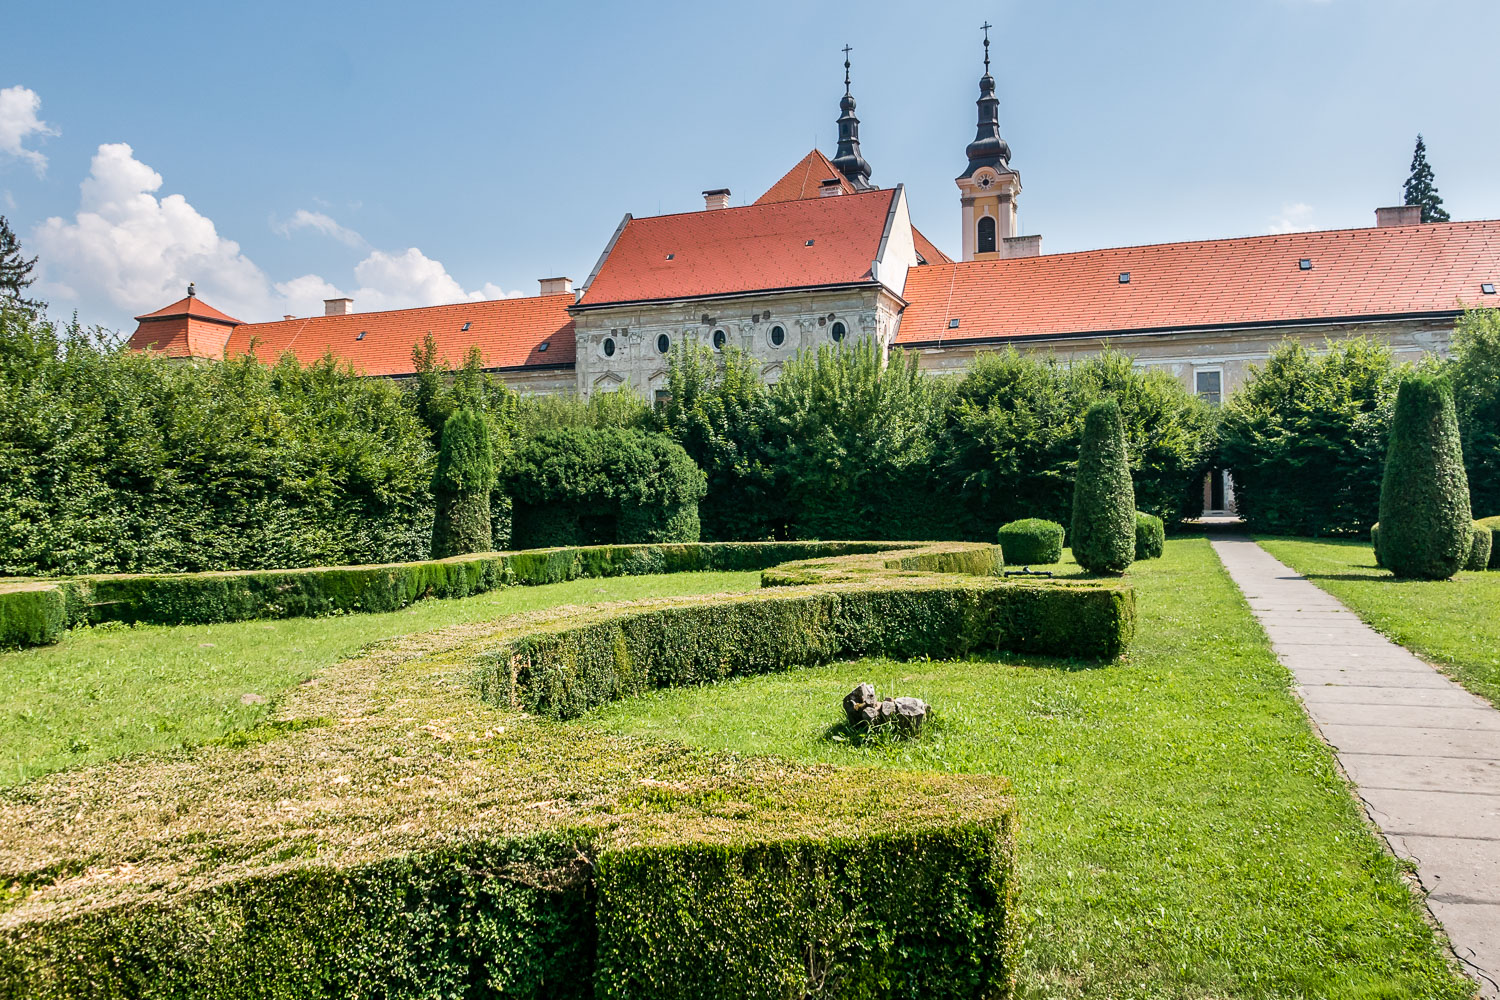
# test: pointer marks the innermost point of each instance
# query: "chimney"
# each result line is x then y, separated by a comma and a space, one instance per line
287, 316
831, 186
717, 198
338, 307
1398, 215
556, 286
1021, 246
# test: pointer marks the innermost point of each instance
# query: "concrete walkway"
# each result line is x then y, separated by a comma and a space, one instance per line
1423, 752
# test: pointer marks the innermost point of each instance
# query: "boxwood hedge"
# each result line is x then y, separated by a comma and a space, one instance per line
1492, 525
1150, 536
388, 833
32, 614
1481, 549
1032, 541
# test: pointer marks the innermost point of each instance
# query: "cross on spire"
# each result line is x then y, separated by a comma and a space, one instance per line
986, 26
847, 50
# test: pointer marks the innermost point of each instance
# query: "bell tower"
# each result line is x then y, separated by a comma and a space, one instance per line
989, 188
847, 158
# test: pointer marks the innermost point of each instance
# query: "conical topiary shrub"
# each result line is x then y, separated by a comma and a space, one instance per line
1103, 535
461, 487
1425, 523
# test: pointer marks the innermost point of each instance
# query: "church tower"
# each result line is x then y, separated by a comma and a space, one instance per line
988, 189
848, 159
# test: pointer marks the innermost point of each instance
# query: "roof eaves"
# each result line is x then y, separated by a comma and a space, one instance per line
668, 300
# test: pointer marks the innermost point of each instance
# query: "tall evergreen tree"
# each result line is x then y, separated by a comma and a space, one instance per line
15, 270
1426, 526
461, 487
1103, 535
1420, 190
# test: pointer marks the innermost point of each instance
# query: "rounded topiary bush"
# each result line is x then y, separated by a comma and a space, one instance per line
1492, 525
1032, 541
1103, 535
461, 487
1481, 549
1425, 524
1150, 536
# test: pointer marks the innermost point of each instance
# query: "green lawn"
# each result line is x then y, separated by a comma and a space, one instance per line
107, 691
1183, 833
1453, 623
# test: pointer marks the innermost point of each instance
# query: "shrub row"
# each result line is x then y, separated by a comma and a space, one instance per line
918, 913
208, 598
569, 671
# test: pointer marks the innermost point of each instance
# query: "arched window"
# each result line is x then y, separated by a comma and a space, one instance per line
986, 235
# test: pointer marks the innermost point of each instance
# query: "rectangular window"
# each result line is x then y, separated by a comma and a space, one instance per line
1209, 385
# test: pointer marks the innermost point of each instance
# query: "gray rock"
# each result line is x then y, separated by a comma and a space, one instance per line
910, 713
855, 704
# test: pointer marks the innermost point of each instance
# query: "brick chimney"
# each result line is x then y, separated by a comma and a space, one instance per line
556, 286
830, 187
1398, 215
717, 198
338, 307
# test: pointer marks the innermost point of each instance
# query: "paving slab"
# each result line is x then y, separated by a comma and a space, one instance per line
1422, 753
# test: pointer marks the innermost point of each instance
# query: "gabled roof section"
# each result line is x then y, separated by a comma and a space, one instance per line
805, 180
928, 249
190, 306
510, 334
728, 251
1252, 281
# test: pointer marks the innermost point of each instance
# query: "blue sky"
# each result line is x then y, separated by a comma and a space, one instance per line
409, 153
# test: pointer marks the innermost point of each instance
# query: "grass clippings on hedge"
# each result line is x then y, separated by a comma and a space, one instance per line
1453, 623
1182, 832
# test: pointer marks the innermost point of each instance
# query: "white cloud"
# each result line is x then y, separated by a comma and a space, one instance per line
19, 122
126, 251
1295, 218
320, 223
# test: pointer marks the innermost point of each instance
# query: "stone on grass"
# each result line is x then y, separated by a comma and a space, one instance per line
865, 712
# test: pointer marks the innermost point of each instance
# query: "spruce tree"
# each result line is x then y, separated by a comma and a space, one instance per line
1420, 190
1425, 523
1103, 535
461, 487
15, 270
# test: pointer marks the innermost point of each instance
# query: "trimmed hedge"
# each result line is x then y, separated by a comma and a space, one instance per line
211, 598
425, 845
1425, 523
461, 487
1150, 536
1492, 525
1482, 549
1032, 541
32, 614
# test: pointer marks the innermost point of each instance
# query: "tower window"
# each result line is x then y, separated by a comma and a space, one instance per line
838, 332
609, 347
986, 233
778, 336
719, 339
663, 343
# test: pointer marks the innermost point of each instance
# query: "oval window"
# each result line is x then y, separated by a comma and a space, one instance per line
609, 347
663, 343
719, 340
778, 336
838, 332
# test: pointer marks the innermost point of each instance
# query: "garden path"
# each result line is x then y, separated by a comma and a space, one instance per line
1423, 753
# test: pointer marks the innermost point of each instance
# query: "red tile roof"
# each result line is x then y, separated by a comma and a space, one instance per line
752, 248
1249, 281
805, 180
508, 332
190, 306
188, 328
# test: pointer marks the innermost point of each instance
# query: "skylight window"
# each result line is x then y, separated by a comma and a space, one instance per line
1488, 288
361, 335
808, 243
464, 328
953, 324
1304, 264
671, 256
1124, 277
542, 347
